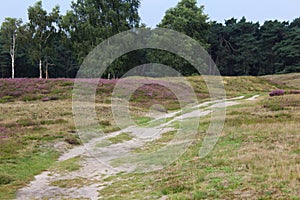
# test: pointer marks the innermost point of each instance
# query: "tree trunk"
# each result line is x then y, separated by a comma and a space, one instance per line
12, 55
47, 65
41, 71
47, 74
12, 67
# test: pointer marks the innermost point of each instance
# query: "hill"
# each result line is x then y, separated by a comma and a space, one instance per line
257, 155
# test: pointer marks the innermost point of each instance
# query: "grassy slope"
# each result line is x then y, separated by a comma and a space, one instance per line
257, 155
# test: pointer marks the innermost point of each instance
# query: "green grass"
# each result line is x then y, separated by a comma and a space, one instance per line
6, 99
70, 165
123, 137
156, 144
142, 121
18, 172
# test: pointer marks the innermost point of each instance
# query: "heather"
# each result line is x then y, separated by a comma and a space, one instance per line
277, 93
40, 89
35, 131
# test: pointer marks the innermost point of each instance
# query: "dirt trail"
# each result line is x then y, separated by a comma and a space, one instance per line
87, 182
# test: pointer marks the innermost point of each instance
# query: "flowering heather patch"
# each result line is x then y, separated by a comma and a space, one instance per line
45, 99
100, 82
41, 89
31, 89
157, 90
277, 93
144, 92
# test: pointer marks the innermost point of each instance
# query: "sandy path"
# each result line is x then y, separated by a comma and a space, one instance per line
93, 171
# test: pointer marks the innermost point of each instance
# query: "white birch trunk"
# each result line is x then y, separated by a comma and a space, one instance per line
47, 75
41, 71
12, 67
12, 55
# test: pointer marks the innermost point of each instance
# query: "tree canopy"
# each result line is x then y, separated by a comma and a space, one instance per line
52, 45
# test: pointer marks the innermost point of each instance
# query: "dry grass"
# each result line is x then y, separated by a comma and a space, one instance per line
72, 183
291, 80
30, 132
257, 156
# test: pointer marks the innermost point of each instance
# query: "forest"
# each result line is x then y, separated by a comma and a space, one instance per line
52, 45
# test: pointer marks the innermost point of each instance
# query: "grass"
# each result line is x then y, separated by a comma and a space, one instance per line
257, 155
72, 183
16, 173
28, 131
123, 137
70, 165
288, 80
156, 144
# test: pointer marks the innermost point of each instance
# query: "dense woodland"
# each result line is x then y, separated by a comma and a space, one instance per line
52, 45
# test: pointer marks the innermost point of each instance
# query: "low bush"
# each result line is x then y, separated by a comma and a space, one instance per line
295, 92
277, 93
6, 99
5, 179
72, 140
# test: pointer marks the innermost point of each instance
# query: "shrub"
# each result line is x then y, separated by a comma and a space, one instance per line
277, 93
45, 99
105, 123
5, 179
30, 97
6, 99
72, 141
295, 92
53, 98
26, 122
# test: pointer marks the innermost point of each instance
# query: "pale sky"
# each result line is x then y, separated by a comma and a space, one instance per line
152, 11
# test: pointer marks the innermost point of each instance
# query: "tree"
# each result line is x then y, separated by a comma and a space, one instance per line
234, 47
189, 19
4, 60
271, 34
42, 27
288, 50
246, 43
92, 21
10, 28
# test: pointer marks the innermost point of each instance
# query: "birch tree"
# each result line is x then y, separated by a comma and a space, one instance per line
42, 27
9, 29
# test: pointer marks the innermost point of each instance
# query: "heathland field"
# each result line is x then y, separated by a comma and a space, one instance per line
257, 155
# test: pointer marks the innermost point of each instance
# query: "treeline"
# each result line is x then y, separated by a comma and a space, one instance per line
246, 48
54, 45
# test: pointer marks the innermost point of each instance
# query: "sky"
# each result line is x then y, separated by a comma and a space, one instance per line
152, 11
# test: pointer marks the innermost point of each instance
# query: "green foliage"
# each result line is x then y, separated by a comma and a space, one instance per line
246, 48
189, 19
271, 33
52, 45
90, 22
11, 31
41, 29
6, 99
288, 50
